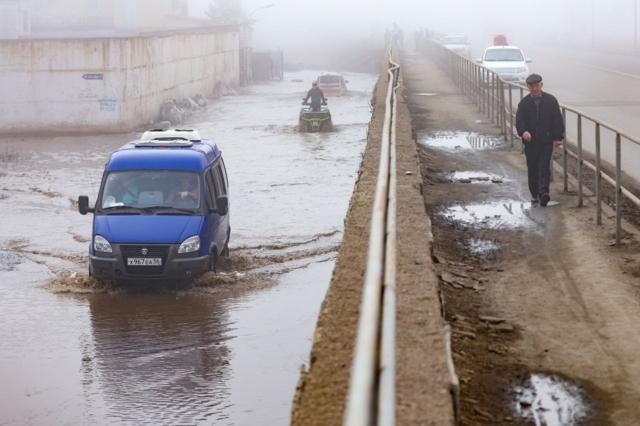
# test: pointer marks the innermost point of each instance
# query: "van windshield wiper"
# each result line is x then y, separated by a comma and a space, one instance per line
121, 210
168, 210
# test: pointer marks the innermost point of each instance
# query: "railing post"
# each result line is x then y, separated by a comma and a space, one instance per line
598, 178
503, 110
580, 200
485, 107
511, 114
478, 92
464, 77
500, 93
618, 190
564, 152
521, 93
487, 99
493, 98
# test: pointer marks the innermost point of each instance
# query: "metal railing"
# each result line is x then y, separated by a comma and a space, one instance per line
371, 398
495, 98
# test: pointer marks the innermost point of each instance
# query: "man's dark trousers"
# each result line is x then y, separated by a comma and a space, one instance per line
538, 164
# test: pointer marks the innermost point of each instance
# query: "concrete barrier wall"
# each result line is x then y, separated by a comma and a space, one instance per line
109, 84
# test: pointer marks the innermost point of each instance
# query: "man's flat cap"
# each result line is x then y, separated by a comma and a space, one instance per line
534, 79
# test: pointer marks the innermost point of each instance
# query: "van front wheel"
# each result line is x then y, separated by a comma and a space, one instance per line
213, 261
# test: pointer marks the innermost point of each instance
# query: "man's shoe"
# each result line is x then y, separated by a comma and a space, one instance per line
544, 200
534, 200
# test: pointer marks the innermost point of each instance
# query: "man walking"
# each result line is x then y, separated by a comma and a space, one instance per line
540, 125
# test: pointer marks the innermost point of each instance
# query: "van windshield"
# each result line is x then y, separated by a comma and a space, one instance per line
507, 55
152, 188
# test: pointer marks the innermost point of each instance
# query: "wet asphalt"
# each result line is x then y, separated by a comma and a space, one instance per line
225, 350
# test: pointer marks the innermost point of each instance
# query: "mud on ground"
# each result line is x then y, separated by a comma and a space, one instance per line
529, 292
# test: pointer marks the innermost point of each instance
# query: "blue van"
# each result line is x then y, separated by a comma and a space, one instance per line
162, 211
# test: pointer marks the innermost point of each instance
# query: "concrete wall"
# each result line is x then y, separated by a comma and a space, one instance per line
109, 84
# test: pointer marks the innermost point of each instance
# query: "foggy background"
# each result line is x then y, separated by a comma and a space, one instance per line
338, 32
295, 24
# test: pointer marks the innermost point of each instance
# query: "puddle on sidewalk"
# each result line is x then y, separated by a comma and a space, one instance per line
551, 401
460, 141
507, 214
425, 94
473, 177
482, 248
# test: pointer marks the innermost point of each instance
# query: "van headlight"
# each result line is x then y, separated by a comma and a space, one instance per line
190, 245
101, 244
523, 71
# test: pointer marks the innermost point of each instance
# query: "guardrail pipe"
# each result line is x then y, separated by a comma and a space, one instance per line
564, 152
511, 120
618, 190
580, 197
598, 178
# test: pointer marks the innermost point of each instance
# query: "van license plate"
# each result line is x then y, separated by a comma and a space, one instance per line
144, 261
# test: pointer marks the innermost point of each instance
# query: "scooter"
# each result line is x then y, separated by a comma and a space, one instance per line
315, 121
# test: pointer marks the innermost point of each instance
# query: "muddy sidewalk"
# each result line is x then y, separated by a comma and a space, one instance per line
543, 309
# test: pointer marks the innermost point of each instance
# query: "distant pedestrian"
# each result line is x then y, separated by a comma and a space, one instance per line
540, 125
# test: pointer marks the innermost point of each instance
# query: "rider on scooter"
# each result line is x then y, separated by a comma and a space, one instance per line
317, 97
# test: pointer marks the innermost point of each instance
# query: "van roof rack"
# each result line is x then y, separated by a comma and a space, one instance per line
169, 138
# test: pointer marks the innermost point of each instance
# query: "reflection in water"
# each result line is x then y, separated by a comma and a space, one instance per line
474, 177
457, 141
479, 247
157, 359
550, 401
507, 214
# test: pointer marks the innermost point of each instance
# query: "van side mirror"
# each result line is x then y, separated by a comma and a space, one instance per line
479, 60
529, 60
83, 205
223, 205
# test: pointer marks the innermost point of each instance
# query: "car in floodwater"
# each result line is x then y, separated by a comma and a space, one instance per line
332, 84
509, 62
162, 212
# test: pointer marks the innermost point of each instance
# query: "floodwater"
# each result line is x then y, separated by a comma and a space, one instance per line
226, 350
550, 401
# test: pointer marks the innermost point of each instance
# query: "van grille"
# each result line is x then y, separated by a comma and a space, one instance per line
152, 251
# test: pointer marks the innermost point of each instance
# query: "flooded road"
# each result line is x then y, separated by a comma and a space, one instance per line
226, 350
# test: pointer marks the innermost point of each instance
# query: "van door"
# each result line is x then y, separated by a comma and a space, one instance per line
217, 225
222, 190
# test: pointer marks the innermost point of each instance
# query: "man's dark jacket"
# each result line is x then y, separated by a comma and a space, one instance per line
545, 123
316, 95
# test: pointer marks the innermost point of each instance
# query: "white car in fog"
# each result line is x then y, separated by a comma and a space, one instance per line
458, 43
508, 61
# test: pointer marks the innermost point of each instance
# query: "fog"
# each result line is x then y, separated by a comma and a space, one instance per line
295, 24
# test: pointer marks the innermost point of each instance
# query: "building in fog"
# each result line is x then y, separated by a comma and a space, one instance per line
78, 18
14, 19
